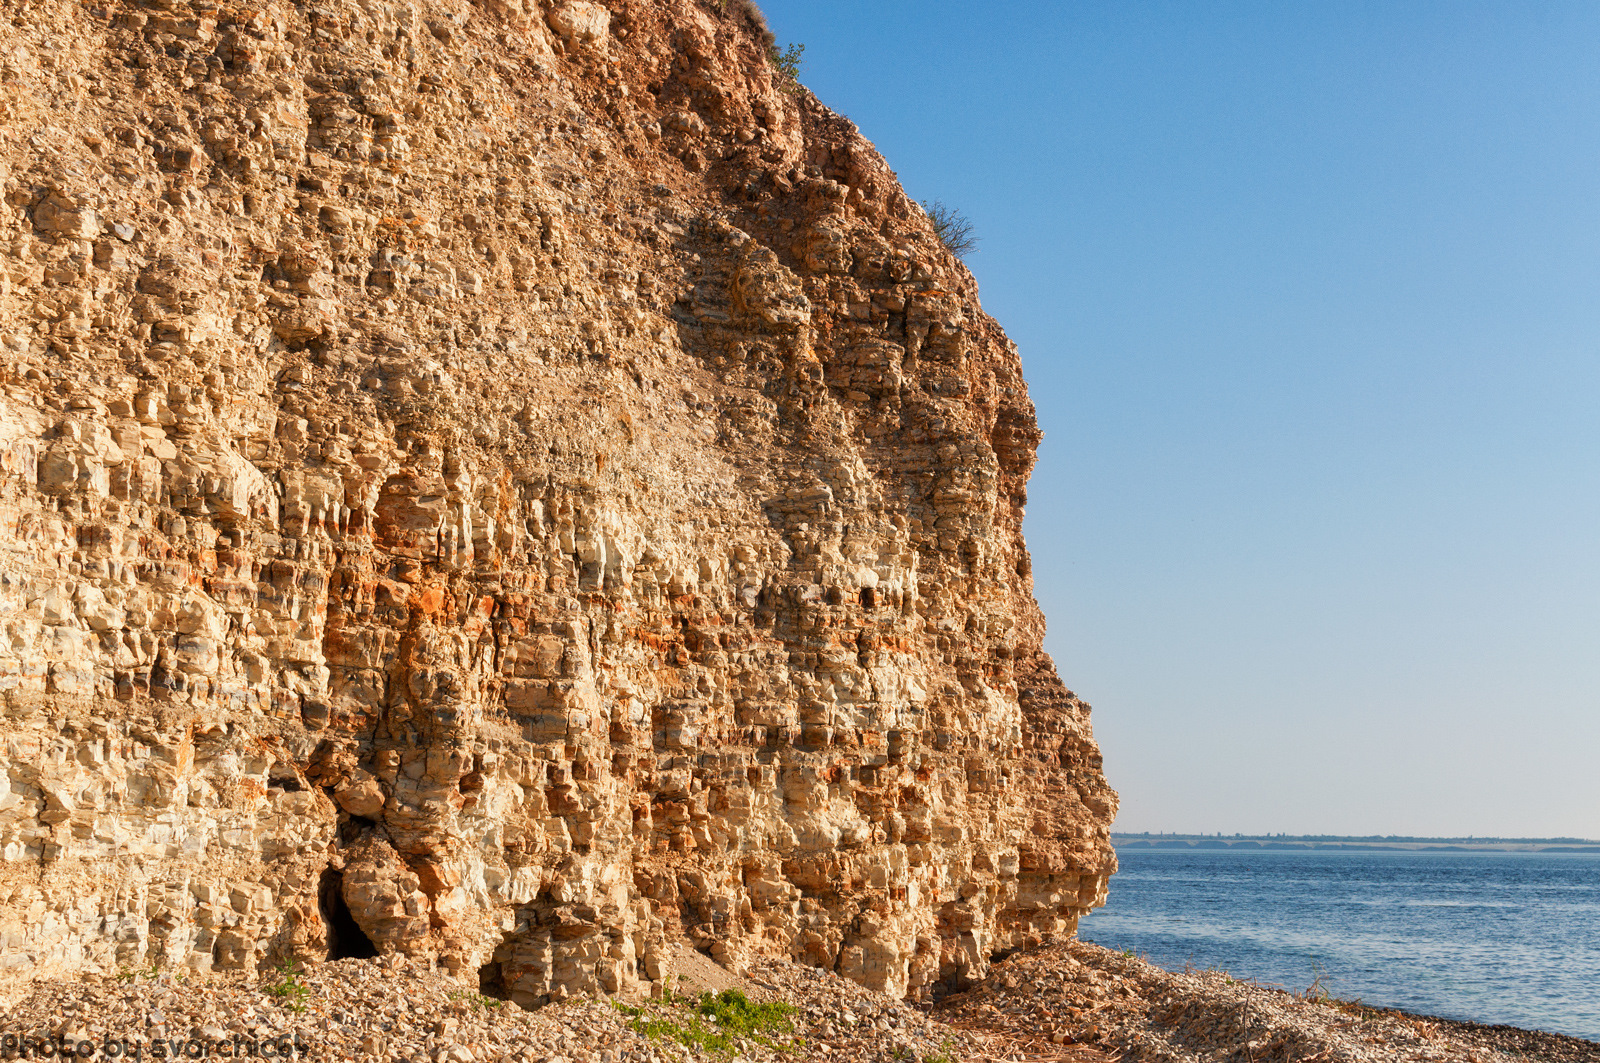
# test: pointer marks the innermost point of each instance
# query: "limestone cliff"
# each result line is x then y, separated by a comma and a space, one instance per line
518, 485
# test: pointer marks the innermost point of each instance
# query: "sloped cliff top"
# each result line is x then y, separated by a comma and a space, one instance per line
514, 485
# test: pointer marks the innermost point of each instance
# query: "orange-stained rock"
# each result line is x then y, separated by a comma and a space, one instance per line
524, 478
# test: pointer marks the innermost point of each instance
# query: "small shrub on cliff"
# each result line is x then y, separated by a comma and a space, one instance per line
787, 62
952, 228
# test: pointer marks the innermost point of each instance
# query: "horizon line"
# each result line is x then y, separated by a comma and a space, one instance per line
1358, 837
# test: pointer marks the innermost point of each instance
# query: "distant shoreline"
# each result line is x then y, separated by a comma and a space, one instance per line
1339, 843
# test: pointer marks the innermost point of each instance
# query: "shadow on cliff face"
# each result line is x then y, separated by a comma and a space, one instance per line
346, 940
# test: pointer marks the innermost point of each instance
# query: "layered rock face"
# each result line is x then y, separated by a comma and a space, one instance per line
517, 485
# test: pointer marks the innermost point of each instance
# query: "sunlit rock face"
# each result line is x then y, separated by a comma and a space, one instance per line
518, 485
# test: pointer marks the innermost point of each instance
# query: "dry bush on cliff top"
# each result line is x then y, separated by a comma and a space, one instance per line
749, 10
788, 60
953, 229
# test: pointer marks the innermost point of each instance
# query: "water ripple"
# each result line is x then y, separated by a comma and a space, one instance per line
1494, 937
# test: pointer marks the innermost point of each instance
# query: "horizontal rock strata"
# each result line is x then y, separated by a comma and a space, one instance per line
511, 485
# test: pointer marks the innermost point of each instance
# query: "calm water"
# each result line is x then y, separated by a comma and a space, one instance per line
1493, 937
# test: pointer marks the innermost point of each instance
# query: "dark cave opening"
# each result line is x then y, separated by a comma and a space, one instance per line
492, 981
346, 939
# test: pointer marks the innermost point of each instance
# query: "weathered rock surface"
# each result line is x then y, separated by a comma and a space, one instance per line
515, 485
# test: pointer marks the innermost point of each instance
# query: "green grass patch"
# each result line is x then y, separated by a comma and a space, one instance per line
715, 1022
475, 1001
290, 991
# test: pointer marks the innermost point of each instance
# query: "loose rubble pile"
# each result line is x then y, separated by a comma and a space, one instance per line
1071, 1002
1079, 1001
400, 1010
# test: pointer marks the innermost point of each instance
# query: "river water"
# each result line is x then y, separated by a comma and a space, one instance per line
1493, 937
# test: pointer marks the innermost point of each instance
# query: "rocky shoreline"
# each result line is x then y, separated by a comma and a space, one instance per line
1089, 1003
1062, 1001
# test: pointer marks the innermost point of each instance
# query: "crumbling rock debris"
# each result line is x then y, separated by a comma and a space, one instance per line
1063, 1003
1073, 1000
400, 1009
510, 486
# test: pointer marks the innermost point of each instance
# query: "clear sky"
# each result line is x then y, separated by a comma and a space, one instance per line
1309, 300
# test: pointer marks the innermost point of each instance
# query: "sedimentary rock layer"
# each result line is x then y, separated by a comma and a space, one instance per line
515, 485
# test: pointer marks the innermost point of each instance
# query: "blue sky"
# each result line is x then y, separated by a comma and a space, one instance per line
1308, 296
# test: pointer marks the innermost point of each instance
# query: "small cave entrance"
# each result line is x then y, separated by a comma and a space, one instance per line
492, 981
492, 976
346, 939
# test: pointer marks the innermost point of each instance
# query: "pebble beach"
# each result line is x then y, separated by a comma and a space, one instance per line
1069, 1001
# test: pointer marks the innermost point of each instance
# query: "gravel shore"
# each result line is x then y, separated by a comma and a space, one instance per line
1077, 1001
1067, 1001
396, 1010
